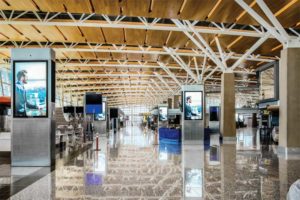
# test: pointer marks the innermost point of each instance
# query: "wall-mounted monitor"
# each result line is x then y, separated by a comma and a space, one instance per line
79, 109
193, 105
114, 113
69, 109
163, 114
214, 113
30, 91
101, 116
93, 103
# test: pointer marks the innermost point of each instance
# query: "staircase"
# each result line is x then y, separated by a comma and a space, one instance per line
59, 116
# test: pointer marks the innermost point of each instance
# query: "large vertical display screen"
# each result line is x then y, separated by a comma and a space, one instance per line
101, 116
163, 113
93, 103
193, 105
267, 84
30, 88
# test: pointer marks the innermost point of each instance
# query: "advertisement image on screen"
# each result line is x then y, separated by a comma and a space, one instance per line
93, 109
101, 116
30, 89
163, 113
193, 105
267, 84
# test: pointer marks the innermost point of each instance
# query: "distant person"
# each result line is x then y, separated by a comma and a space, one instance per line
188, 108
21, 100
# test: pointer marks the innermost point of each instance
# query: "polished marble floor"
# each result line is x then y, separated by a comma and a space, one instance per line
129, 166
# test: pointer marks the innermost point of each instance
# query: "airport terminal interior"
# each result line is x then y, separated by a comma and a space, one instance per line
150, 99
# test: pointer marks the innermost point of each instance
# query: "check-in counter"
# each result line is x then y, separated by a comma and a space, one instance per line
169, 135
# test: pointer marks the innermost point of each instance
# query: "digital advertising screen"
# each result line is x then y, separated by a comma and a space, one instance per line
79, 109
214, 112
69, 109
30, 88
93, 109
114, 113
267, 84
193, 105
101, 116
163, 113
93, 103
93, 99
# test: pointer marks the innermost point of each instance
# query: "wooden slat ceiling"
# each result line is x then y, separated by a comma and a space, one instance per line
224, 11
128, 37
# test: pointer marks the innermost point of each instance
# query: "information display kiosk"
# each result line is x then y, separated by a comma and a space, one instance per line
193, 113
33, 107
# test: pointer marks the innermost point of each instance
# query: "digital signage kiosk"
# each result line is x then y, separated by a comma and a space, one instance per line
193, 114
33, 106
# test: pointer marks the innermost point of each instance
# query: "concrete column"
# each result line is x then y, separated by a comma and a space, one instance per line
228, 129
170, 103
289, 94
176, 101
228, 171
289, 173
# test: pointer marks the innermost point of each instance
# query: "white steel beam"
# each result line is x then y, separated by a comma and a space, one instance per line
169, 73
142, 50
273, 19
181, 62
163, 81
120, 24
216, 59
261, 21
250, 51
129, 65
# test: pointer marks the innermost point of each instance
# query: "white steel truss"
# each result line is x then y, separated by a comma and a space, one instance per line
275, 28
190, 29
117, 22
124, 49
140, 65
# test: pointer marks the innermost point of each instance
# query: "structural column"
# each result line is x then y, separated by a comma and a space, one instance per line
170, 103
228, 127
289, 93
176, 101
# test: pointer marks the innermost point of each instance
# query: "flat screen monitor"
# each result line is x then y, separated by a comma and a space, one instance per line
79, 109
101, 116
93, 109
93, 103
193, 105
114, 113
268, 76
30, 91
214, 113
93, 99
69, 109
163, 113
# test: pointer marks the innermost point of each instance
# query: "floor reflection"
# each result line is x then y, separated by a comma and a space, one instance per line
129, 166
